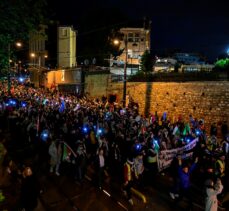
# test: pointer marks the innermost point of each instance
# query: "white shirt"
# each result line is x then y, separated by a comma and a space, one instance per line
101, 161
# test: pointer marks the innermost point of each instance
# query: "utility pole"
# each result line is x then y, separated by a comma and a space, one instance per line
39, 70
125, 69
8, 71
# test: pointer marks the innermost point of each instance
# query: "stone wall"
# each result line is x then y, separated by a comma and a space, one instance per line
96, 84
204, 100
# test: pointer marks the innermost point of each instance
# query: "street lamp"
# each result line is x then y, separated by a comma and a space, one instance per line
18, 44
125, 68
37, 58
116, 42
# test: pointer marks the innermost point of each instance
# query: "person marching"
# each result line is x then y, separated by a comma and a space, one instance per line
55, 153
184, 173
211, 201
220, 167
129, 173
220, 173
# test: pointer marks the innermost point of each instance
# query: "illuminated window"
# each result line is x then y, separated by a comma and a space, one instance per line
64, 32
130, 37
136, 37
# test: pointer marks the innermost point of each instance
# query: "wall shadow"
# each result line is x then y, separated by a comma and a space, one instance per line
148, 94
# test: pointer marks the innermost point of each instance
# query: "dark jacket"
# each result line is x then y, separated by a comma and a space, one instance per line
185, 178
29, 193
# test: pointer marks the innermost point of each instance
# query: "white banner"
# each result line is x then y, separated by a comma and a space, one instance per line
165, 157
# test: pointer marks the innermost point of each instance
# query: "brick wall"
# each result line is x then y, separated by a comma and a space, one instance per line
207, 100
96, 84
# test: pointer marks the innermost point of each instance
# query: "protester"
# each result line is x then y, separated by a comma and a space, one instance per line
151, 164
29, 190
224, 129
100, 167
225, 147
139, 169
99, 124
81, 161
173, 170
184, 173
214, 130
212, 190
55, 153
3, 152
129, 176
220, 167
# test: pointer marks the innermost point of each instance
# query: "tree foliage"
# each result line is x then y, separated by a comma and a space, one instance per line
18, 18
146, 62
96, 29
222, 63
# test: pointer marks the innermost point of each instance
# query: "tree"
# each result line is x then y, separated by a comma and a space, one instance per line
146, 63
222, 64
18, 18
96, 29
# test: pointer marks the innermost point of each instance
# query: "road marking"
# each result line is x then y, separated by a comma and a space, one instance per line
88, 178
108, 194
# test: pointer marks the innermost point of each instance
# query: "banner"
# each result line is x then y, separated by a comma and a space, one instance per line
165, 157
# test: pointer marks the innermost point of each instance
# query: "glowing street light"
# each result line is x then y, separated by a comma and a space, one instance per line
37, 58
18, 44
116, 42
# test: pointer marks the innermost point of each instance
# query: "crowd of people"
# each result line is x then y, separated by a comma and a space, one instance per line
64, 128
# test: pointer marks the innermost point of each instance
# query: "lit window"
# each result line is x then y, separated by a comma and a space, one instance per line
64, 32
130, 37
137, 35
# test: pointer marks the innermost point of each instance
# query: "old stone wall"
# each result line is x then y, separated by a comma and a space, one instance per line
96, 84
203, 100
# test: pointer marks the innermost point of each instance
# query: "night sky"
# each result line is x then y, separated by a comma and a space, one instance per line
199, 26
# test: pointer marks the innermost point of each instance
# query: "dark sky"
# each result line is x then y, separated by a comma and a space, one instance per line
189, 25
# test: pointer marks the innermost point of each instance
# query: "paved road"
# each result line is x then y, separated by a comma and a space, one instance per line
64, 194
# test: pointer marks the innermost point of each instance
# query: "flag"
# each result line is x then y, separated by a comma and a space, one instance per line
164, 117
67, 152
62, 106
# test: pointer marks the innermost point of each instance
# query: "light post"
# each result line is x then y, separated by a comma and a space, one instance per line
18, 44
37, 60
8, 71
116, 42
125, 69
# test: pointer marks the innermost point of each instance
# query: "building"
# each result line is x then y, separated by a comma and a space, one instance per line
66, 47
187, 58
37, 48
38, 54
66, 76
135, 40
196, 68
191, 62
138, 41
164, 65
